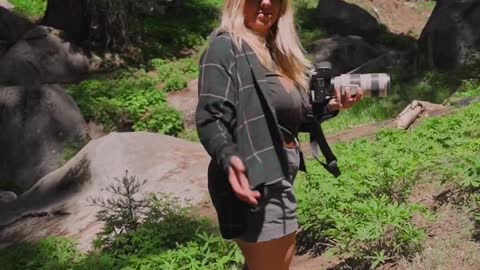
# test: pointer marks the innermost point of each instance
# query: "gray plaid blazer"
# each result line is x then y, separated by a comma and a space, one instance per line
233, 115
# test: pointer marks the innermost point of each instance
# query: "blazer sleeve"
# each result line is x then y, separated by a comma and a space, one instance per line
216, 110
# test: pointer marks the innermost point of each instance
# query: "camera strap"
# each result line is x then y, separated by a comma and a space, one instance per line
318, 140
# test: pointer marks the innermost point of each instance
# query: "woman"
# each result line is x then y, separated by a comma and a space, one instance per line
252, 97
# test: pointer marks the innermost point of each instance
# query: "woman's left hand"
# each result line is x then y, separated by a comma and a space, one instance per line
347, 100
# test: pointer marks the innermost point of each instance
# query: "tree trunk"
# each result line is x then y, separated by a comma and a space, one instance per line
102, 24
69, 16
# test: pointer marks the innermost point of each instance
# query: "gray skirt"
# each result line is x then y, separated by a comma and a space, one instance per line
275, 215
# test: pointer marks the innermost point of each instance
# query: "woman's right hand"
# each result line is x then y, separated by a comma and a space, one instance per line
239, 182
345, 100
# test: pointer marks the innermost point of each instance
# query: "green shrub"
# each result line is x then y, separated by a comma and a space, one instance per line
127, 103
174, 75
157, 232
48, 254
30, 8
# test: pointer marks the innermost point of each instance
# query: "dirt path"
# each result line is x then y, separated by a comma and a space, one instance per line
449, 243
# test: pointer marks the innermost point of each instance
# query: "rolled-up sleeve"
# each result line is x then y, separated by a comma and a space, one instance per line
216, 109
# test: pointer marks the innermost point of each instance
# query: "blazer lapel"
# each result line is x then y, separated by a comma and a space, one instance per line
259, 78
258, 74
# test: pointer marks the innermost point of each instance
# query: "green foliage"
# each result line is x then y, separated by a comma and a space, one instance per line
205, 252
306, 25
48, 254
174, 75
425, 5
156, 232
364, 211
181, 29
30, 8
469, 88
121, 213
130, 102
141, 232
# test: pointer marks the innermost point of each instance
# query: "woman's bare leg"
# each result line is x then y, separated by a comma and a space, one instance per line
270, 255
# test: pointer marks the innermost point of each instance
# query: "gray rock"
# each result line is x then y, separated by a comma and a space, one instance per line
36, 124
339, 17
13, 26
7, 196
348, 53
6, 4
450, 34
58, 203
41, 56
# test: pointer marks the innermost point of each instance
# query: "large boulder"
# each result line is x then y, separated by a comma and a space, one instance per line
37, 124
58, 204
451, 32
41, 56
348, 53
339, 17
12, 26
6, 4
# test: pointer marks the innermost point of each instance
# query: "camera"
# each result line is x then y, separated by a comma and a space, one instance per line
323, 84
322, 90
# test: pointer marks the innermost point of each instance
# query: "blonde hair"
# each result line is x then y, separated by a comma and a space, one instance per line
281, 51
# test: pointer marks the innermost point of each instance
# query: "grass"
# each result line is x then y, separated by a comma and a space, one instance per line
30, 8
425, 5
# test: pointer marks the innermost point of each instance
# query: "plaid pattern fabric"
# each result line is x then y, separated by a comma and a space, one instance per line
233, 114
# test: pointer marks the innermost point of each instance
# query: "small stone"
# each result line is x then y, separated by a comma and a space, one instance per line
7, 196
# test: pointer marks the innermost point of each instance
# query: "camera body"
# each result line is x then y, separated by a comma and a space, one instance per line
323, 84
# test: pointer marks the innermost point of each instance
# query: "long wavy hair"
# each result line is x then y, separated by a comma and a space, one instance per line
281, 51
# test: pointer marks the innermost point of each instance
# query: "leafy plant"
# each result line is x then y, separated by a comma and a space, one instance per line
128, 102
138, 226
185, 26
30, 8
174, 75
364, 212
48, 254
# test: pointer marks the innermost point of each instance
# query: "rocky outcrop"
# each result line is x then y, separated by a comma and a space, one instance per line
58, 203
37, 122
39, 119
41, 56
13, 26
6, 4
349, 53
451, 33
341, 18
